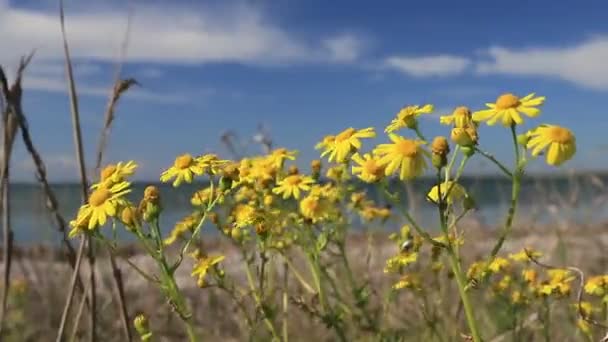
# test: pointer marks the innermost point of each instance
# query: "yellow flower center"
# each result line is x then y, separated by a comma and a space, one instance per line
99, 197
407, 148
184, 161
559, 135
506, 101
293, 180
372, 167
345, 135
107, 172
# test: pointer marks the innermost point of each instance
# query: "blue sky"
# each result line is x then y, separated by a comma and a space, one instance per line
303, 69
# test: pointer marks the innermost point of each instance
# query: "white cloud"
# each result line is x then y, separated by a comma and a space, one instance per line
166, 34
583, 64
344, 48
163, 35
425, 66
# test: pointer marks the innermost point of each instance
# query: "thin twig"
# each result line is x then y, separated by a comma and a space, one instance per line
579, 293
68, 301
120, 86
82, 168
10, 130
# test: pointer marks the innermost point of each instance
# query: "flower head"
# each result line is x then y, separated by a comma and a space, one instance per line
279, 155
461, 117
115, 173
407, 117
346, 142
404, 155
314, 208
202, 266
507, 109
291, 186
368, 169
183, 169
103, 203
559, 142
452, 191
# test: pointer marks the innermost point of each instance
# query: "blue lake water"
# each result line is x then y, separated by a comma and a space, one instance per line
579, 199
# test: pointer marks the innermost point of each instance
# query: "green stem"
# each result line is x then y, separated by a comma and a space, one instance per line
455, 261
258, 302
448, 169
495, 161
285, 302
515, 190
466, 302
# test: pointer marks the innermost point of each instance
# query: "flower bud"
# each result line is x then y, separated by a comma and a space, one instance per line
142, 327
440, 149
149, 207
130, 218
293, 170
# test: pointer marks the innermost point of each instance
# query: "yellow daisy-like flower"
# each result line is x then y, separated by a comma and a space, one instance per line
203, 265
291, 186
407, 117
523, 255
456, 192
346, 142
404, 155
461, 117
244, 215
559, 142
115, 173
597, 285
279, 155
369, 169
186, 224
103, 203
498, 264
183, 169
507, 109
211, 163
314, 208
203, 196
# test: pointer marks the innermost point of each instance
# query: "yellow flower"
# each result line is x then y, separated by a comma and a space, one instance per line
186, 224
115, 173
507, 109
203, 196
407, 117
103, 203
279, 155
203, 265
211, 163
369, 169
396, 263
465, 136
314, 208
291, 186
346, 142
369, 213
559, 141
597, 285
183, 169
461, 117
523, 255
338, 173
404, 155
408, 281
456, 192
558, 284
498, 264
529, 275
244, 215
